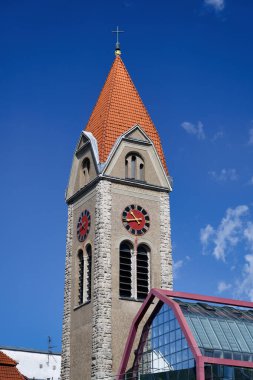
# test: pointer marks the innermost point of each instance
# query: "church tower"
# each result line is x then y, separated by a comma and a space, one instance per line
118, 235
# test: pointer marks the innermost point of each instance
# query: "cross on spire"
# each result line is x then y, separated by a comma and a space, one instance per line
117, 49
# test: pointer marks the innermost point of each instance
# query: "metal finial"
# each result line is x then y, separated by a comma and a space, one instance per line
117, 49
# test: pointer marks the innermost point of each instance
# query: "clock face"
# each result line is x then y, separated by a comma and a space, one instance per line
136, 220
83, 225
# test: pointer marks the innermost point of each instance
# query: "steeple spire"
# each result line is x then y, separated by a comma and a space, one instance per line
117, 48
118, 108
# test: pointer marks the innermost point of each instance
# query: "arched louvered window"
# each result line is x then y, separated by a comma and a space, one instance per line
134, 166
125, 269
84, 274
134, 276
89, 266
86, 170
142, 268
80, 276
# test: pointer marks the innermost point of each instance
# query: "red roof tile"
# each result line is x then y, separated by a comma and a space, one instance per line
10, 373
6, 360
8, 370
118, 108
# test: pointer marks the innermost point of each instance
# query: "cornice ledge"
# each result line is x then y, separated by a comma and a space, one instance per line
136, 141
134, 183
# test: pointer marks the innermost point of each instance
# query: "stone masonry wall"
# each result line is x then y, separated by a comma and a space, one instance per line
65, 363
102, 293
165, 243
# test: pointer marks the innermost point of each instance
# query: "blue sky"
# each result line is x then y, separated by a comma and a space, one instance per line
191, 61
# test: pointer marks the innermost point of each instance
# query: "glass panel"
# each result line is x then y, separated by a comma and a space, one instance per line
201, 332
188, 319
220, 334
230, 337
210, 333
245, 331
238, 337
220, 372
165, 354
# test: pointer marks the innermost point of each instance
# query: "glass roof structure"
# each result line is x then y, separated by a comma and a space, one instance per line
190, 337
220, 328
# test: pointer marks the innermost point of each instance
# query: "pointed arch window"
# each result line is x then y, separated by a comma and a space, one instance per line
84, 274
134, 271
134, 167
86, 169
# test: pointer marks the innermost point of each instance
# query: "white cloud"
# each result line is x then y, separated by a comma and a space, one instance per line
228, 233
206, 233
224, 175
244, 286
251, 181
223, 286
192, 129
176, 266
217, 135
250, 142
218, 5
234, 230
248, 234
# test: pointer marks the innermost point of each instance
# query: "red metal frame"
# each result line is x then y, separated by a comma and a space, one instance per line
165, 296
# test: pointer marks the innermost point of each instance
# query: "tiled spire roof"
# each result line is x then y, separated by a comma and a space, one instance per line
118, 108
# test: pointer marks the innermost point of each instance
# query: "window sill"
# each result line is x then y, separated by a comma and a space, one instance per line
83, 304
131, 299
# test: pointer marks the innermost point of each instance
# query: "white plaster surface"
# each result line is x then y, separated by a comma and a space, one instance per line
35, 365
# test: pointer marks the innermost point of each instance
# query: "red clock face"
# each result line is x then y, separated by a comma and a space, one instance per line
136, 220
83, 225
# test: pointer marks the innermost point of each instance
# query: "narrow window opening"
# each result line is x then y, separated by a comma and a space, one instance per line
80, 277
133, 167
125, 275
142, 172
142, 272
126, 168
86, 170
89, 266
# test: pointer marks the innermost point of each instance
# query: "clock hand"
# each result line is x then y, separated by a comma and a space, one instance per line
133, 220
136, 219
83, 225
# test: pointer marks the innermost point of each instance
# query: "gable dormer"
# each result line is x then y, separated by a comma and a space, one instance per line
134, 158
85, 164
